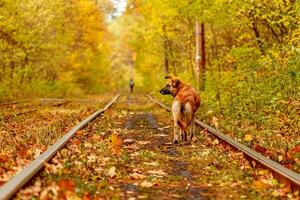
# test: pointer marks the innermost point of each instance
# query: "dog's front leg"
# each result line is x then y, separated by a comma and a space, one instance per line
176, 117
176, 133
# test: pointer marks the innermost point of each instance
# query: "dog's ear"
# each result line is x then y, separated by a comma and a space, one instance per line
168, 77
175, 82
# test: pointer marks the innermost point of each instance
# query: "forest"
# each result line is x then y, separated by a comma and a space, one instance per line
75, 47
247, 73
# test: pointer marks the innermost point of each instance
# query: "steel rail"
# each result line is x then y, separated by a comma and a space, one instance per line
283, 172
36, 109
13, 185
13, 102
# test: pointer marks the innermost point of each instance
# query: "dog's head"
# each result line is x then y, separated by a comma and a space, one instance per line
171, 87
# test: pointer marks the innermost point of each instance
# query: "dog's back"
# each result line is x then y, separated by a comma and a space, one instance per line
187, 94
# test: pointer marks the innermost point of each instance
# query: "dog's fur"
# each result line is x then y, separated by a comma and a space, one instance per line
184, 106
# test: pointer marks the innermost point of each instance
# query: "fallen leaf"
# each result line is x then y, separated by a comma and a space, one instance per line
71, 196
79, 133
115, 144
296, 149
248, 137
68, 185
215, 122
259, 148
151, 163
128, 141
136, 175
3, 158
143, 142
259, 185
112, 172
161, 135
215, 142
157, 172
146, 184
96, 138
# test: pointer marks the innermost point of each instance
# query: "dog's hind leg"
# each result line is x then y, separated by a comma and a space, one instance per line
188, 118
184, 135
192, 128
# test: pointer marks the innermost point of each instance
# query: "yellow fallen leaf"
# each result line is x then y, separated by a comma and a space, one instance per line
215, 142
79, 133
263, 172
112, 172
115, 144
248, 137
259, 185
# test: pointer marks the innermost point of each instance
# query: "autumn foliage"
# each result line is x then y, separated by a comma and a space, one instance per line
52, 48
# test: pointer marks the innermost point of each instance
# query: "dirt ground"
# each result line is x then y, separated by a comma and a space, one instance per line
127, 154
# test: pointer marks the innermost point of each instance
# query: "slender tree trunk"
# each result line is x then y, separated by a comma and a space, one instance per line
203, 59
257, 36
197, 56
190, 47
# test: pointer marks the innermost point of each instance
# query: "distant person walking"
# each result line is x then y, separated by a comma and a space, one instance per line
131, 85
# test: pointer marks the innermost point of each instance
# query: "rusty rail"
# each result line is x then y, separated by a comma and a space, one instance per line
283, 174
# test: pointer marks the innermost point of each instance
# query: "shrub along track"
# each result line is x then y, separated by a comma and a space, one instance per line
96, 165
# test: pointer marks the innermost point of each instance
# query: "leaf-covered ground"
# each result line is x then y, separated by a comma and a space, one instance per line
24, 135
126, 154
279, 141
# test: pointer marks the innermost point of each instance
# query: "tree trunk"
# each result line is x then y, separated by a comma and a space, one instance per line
257, 36
203, 59
197, 56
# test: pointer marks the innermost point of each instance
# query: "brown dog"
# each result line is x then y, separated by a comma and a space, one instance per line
184, 106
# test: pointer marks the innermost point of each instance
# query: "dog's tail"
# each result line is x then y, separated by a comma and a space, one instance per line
185, 120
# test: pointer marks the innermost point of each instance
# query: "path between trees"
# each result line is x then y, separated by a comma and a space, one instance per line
127, 154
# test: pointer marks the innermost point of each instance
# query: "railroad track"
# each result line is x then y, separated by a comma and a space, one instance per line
13, 185
13, 102
49, 102
33, 106
282, 173
135, 120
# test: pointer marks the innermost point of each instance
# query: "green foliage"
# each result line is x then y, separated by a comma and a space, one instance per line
252, 51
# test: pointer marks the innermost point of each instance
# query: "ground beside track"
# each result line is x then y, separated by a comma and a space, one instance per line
24, 137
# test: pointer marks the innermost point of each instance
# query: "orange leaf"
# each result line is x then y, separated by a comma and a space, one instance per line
68, 185
296, 149
3, 158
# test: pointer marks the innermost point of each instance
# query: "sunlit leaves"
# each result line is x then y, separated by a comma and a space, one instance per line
53, 42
